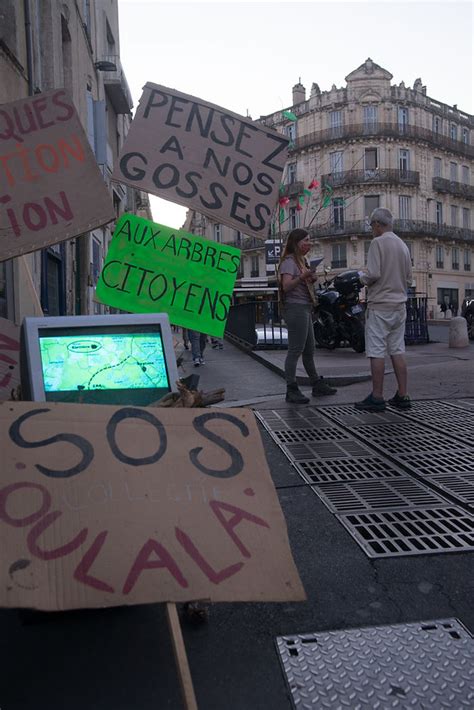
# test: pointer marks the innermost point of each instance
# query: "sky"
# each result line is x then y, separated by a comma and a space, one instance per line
246, 56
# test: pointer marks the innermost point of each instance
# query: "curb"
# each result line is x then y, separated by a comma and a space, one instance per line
339, 380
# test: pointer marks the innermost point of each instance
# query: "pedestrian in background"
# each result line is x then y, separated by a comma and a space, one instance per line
216, 343
198, 345
297, 297
185, 338
388, 277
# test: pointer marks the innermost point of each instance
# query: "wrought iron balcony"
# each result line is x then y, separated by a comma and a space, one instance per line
362, 131
358, 177
115, 84
451, 187
291, 189
402, 227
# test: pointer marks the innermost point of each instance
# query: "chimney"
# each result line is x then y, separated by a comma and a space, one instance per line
299, 93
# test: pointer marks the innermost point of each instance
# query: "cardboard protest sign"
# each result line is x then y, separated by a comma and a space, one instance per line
9, 357
150, 268
51, 188
205, 157
106, 506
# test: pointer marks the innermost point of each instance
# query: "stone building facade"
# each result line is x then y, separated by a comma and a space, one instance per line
372, 144
46, 44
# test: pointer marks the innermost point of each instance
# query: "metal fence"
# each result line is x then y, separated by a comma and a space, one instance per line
257, 324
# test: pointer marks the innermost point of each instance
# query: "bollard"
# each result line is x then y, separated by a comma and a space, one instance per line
458, 337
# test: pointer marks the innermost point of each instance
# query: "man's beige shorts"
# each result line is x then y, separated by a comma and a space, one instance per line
385, 332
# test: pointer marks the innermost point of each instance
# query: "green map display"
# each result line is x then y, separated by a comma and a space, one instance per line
117, 361
150, 268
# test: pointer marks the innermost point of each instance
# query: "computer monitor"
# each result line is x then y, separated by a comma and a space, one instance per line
112, 359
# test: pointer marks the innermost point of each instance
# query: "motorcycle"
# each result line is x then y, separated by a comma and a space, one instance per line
339, 315
467, 312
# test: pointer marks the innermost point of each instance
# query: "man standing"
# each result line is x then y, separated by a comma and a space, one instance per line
388, 277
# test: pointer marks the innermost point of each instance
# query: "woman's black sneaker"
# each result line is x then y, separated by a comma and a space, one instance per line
295, 396
400, 402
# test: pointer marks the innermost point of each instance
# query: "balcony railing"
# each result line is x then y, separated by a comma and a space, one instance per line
382, 130
291, 188
116, 86
358, 177
402, 227
451, 187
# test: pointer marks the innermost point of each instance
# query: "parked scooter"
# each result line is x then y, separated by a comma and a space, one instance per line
339, 315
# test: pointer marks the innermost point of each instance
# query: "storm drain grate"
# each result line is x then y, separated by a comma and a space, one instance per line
438, 462
326, 449
375, 495
347, 415
359, 469
464, 404
409, 532
276, 420
300, 435
416, 665
461, 485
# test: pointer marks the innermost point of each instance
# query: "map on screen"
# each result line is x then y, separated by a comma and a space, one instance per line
115, 361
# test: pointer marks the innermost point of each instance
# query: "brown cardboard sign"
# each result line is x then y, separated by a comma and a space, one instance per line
51, 188
106, 506
202, 156
9, 357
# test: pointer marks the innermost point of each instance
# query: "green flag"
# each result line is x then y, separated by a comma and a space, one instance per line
150, 268
289, 115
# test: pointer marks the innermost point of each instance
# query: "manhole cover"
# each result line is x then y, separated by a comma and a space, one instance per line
416, 665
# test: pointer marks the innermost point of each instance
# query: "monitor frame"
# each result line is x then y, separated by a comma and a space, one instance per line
31, 344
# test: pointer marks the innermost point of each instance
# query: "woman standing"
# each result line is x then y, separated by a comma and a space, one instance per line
297, 296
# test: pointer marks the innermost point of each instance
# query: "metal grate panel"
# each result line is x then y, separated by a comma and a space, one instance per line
376, 495
302, 435
426, 464
417, 665
324, 450
349, 469
410, 532
461, 486
402, 438
347, 415
302, 419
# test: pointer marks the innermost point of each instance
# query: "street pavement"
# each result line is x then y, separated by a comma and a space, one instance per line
121, 659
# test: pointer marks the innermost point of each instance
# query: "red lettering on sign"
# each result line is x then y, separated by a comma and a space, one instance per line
143, 562
82, 569
28, 519
213, 576
236, 519
39, 529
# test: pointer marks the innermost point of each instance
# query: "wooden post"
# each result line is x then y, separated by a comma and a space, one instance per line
181, 658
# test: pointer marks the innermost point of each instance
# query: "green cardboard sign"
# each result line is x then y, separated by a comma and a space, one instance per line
150, 268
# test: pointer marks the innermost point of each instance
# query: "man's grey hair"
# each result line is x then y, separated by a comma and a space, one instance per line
382, 216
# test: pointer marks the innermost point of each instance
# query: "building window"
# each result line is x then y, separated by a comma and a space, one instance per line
437, 167
465, 136
439, 257
291, 173
96, 261
294, 218
366, 251
402, 119
465, 175
338, 212
371, 202
436, 124
404, 161
410, 249
455, 258
448, 296
336, 162
291, 132
370, 160
335, 123
466, 218
238, 237
254, 267
453, 132
370, 118
217, 232
439, 213
339, 256
453, 172
404, 207
454, 216
467, 260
